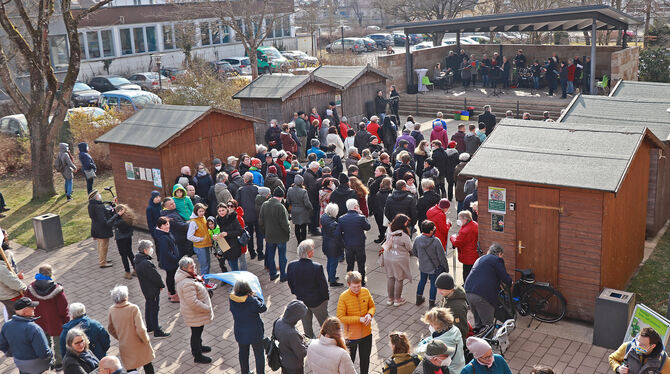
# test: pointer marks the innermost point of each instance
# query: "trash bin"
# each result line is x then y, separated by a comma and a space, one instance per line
614, 308
48, 231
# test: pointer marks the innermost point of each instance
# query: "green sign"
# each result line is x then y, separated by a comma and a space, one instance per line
497, 200
643, 316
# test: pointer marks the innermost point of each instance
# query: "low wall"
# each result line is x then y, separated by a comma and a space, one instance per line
626, 59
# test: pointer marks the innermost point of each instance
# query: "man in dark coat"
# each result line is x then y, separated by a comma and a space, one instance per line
151, 285
341, 194
178, 227
380, 104
352, 229
488, 118
310, 181
235, 181
427, 201
401, 201
23, 340
308, 283
273, 219
362, 137
439, 157
452, 161
404, 167
272, 135
292, 345
100, 230
246, 198
459, 138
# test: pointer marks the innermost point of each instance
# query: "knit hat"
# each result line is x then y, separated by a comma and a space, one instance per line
445, 282
315, 142
477, 346
91, 196
465, 157
373, 138
255, 162
216, 161
437, 348
211, 218
298, 180
272, 169
235, 174
326, 170
279, 192
452, 144
263, 191
344, 179
444, 204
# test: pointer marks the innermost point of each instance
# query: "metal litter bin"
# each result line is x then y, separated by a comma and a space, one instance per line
614, 309
48, 231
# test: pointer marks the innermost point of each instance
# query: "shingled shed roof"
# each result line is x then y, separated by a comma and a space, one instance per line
602, 110
635, 89
154, 125
345, 76
277, 86
559, 154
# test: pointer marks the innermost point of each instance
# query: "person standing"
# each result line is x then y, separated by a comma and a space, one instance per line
301, 207
95, 332
353, 226
153, 211
100, 230
394, 98
438, 215
328, 354
87, 165
644, 354
11, 286
51, 312
126, 325
401, 201
442, 328
78, 358
246, 197
429, 198
402, 362
342, 194
301, 132
484, 361
273, 219
246, 308
481, 289
65, 165
432, 261
563, 76
122, 222
202, 243
24, 340
466, 241
151, 285
453, 298
168, 255
377, 200
178, 227
436, 358
380, 104
292, 347
488, 118
308, 283
230, 229
195, 307
332, 243
397, 250
460, 180
356, 309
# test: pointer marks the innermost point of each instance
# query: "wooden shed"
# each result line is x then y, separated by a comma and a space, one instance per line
567, 200
148, 149
628, 107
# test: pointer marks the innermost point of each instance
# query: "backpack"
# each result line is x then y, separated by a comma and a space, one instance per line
392, 366
59, 165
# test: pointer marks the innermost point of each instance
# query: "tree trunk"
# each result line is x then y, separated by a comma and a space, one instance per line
647, 17
254, 62
42, 157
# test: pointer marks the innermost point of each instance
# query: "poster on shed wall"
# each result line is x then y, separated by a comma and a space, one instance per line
130, 171
156, 173
497, 200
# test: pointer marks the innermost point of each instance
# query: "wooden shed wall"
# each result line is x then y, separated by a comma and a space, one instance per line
658, 204
360, 92
624, 223
486, 236
313, 94
266, 109
134, 193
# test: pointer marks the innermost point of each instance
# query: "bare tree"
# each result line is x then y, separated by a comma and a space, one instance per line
308, 20
184, 35
26, 25
358, 11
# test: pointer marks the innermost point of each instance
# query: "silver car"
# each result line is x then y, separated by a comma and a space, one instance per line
240, 62
149, 81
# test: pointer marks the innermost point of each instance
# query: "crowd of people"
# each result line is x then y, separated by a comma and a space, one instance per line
247, 209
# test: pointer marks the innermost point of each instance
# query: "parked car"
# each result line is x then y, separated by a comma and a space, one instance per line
422, 45
172, 73
14, 125
96, 116
128, 99
243, 63
355, 45
269, 58
83, 95
481, 39
302, 58
399, 39
224, 69
370, 45
373, 28
382, 40
149, 80
415, 38
106, 83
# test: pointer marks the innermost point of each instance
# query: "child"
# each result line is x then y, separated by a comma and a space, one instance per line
213, 229
202, 241
430, 171
182, 201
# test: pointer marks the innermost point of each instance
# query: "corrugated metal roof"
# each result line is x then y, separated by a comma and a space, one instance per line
635, 89
154, 125
603, 110
558, 154
344, 76
271, 86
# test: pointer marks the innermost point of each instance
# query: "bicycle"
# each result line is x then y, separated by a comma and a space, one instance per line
537, 299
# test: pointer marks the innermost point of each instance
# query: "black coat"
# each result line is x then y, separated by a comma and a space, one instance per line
380, 104
440, 161
234, 184
100, 214
75, 364
166, 250
246, 198
400, 171
202, 188
307, 282
122, 229
427, 201
400, 202
489, 119
331, 244
373, 188
150, 281
379, 203
340, 196
310, 182
178, 227
452, 162
361, 140
231, 226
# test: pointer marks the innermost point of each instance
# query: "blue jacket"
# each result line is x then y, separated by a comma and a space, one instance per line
85, 158
499, 365
319, 153
247, 317
352, 229
307, 282
258, 177
488, 271
178, 227
153, 212
332, 239
168, 253
96, 334
22, 339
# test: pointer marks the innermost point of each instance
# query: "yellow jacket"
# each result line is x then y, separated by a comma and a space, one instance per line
616, 359
350, 308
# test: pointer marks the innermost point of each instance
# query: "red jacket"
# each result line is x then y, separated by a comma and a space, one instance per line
312, 117
53, 311
373, 128
363, 204
440, 134
344, 127
571, 72
240, 219
287, 143
437, 216
466, 243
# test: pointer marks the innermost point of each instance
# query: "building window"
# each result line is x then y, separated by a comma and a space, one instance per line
151, 38
276, 27
287, 25
225, 33
93, 44
82, 45
240, 26
168, 37
107, 43
126, 42
58, 49
205, 33
138, 39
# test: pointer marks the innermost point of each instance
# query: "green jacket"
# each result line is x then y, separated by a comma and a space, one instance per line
184, 204
273, 220
459, 308
300, 127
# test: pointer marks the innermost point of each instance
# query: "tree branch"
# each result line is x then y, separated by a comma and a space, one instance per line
90, 10
10, 85
15, 36
26, 19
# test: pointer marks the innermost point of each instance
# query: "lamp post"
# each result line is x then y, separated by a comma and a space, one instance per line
342, 29
157, 57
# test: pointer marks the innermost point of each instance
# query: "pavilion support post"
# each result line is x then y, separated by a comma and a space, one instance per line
408, 63
458, 42
623, 38
592, 83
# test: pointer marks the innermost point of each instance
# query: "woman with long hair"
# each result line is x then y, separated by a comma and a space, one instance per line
361, 194
122, 222
328, 185
397, 250
402, 360
328, 354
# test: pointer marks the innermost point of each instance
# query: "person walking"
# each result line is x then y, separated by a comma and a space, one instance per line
51, 312
230, 229
78, 358
24, 340
481, 289
151, 285
126, 325
292, 346
64, 164
273, 219
97, 335
356, 309
402, 362
441, 323
396, 252
453, 298
301, 207
198, 234
308, 283
353, 226
246, 308
466, 241
122, 222
332, 243
432, 261
484, 361
195, 307
328, 354
87, 165
100, 230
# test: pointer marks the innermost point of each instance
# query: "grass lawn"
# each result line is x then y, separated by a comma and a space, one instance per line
17, 191
652, 282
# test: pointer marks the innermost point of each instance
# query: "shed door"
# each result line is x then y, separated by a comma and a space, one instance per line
537, 231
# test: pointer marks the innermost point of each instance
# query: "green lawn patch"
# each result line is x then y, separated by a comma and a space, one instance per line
652, 282
17, 191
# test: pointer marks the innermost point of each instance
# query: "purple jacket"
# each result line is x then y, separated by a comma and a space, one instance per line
410, 140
